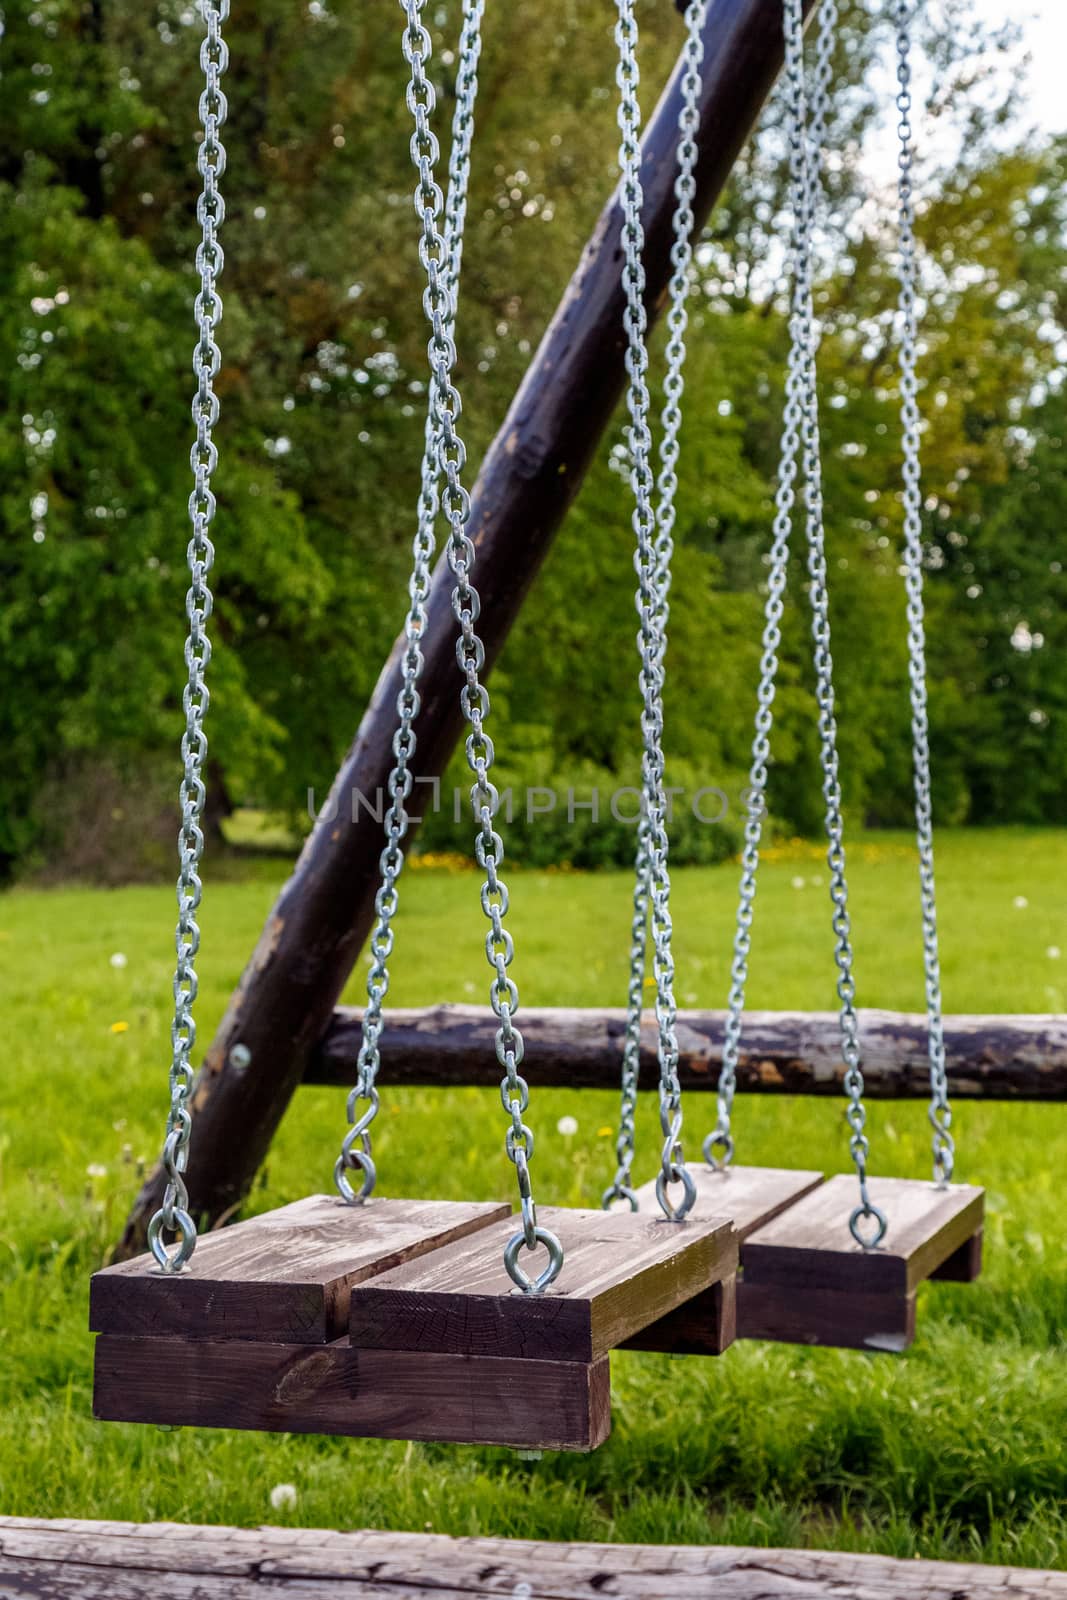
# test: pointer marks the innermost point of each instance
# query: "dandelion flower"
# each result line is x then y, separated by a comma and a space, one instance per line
118, 960
1053, 952
798, 883
283, 1497
95, 1170
120, 1027
1020, 902
605, 1132
567, 1126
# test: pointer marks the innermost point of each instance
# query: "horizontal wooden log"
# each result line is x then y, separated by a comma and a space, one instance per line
993, 1057
126, 1561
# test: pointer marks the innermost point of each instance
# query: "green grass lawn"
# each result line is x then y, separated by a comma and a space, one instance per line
956, 1449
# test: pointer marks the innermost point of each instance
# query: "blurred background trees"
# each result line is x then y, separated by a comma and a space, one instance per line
322, 392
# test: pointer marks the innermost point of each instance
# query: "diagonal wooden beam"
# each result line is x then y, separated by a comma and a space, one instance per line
529, 477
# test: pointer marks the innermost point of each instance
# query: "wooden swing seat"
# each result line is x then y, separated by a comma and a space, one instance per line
623, 1271
336, 1388
804, 1280
255, 1333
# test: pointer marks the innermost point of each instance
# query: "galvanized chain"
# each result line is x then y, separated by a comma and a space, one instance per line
621, 1187
651, 603
867, 1222
940, 1112
470, 652
356, 1147
173, 1216
719, 1144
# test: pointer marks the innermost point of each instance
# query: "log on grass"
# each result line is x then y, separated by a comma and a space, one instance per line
127, 1561
990, 1057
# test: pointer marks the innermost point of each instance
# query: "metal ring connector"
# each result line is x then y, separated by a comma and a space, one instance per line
521, 1279
351, 1160
862, 1212
172, 1260
713, 1141
678, 1174
618, 1191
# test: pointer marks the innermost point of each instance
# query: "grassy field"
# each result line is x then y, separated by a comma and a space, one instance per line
956, 1449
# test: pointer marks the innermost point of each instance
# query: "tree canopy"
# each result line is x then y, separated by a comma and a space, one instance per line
322, 396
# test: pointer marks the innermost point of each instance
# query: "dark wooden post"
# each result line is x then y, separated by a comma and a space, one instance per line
530, 475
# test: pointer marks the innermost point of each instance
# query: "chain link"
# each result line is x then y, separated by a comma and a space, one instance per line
621, 1187
651, 608
173, 1216
867, 1222
470, 652
940, 1112
719, 1144
355, 1152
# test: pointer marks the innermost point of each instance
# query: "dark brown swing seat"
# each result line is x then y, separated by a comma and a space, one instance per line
395, 1319
804, 1280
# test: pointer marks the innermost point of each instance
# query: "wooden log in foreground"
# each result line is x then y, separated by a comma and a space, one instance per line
531, 473
128, 1560
783, 1052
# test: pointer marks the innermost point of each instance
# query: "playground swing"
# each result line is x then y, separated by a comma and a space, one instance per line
398, 1318
815, 1269
356, 1315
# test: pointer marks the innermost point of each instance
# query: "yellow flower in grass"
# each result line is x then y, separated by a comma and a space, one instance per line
120, 1027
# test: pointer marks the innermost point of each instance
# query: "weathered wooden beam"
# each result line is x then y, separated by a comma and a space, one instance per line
127, 1560
782, 1052
529, 477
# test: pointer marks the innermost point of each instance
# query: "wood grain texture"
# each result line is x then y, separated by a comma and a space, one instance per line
990, 1057
337, 1389
128, 1561
809, 1246
284, 1276
837, 1319
528, 479
622, 1271
749, 1196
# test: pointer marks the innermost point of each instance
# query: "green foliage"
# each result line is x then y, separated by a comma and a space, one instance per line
953, 1450
322, 393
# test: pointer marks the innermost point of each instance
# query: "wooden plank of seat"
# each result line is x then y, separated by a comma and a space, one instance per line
284, 1276
810, 1245
74, 1560
839, 1319
749, 1196
337, 1389
622, 1271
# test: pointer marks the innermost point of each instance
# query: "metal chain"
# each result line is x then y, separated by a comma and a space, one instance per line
651, 603
719, 1144
470, 652
867, 1223
355, 1152
683, 226
173, 1216
940, 1112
